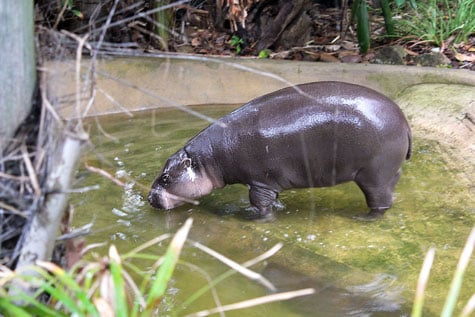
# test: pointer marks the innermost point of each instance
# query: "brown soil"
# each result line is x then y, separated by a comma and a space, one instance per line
293, 30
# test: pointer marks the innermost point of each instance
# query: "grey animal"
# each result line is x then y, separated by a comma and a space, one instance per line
312, 135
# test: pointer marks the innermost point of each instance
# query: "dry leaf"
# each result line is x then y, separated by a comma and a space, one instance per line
104, 308
465, 57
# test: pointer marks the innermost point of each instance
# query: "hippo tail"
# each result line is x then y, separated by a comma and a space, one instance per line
409, 148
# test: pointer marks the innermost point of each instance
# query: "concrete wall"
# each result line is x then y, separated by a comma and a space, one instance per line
18, 68
142, 83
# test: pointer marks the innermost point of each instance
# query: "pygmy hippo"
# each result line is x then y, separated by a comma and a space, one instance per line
312, 135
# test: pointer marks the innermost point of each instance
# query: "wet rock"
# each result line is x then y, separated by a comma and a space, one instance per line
432, 59
391, 55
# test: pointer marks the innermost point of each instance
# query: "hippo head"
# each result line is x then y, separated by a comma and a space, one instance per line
182, 180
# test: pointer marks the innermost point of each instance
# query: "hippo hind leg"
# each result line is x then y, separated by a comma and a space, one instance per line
378, 194
262, 200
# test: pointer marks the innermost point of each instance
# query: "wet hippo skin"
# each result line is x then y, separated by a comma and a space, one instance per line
312, 135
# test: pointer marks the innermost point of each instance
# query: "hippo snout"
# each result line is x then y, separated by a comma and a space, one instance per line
161, 198
154, 198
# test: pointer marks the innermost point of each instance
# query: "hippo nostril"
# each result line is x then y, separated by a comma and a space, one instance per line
151, 199
154, 198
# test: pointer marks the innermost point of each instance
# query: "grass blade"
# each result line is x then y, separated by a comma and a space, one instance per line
120, 299
67, 282
35, 307
469, 308
255, 301
422, 283
165, 271
60, 296
458, 276
227, 274
146, 245
236, 266
7, 308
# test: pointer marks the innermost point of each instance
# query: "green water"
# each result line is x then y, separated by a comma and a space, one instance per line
358, 268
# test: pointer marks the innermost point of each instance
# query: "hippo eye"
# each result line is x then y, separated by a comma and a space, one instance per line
165, 178
187, 162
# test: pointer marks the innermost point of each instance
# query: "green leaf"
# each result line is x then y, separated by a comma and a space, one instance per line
236, 42
362, 28
7, 308
264, 54
78, 13
354, 9
388, 18
400, 3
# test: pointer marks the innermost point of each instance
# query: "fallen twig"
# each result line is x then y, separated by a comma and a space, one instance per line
104, 174
255, 302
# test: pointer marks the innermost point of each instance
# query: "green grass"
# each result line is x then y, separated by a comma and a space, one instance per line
437, 21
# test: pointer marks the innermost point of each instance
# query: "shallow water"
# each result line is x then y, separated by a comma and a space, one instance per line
358, 268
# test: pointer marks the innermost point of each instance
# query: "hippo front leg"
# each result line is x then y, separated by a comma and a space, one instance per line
262, 200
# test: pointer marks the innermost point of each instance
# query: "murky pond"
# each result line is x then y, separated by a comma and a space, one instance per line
357, 268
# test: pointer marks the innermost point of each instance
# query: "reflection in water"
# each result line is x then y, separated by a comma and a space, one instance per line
378, 296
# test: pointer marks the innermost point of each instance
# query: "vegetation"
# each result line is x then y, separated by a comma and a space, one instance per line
360, 14
257, 27
105, 287
455, 286
439, 22
434, 21
237, 42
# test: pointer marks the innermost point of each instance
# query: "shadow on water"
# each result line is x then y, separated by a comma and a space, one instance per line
357, 268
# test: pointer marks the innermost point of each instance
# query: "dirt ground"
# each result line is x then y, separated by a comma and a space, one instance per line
292, 30
324, 37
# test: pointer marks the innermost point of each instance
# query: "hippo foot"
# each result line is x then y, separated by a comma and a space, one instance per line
278, 205
253, 213
373, 215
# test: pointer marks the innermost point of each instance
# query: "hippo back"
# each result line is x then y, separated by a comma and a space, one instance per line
310, 135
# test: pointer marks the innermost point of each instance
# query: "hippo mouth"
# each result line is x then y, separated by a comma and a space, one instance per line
160, 198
